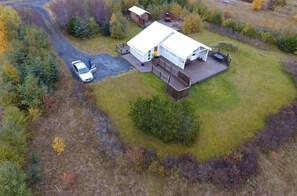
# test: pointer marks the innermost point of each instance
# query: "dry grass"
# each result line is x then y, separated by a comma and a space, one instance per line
278, 20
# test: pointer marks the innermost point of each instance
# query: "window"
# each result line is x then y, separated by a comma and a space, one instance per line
193, 54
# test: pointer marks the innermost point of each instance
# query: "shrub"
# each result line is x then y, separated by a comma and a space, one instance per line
176, 9
154, 10
70, 26
235, 25
118, 25
134, 154
31, 93
12, 179
268, 37
93, 26
274, 4
191, 24
58, 145
228, 15
80, 28
226, 46
251, 32
167, 120
11, 72
217, 17
287, 44
34, 113
34, 173
259, 4
279, 128
9, 153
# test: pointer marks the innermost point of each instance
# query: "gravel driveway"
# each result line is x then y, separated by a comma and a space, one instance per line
107, 65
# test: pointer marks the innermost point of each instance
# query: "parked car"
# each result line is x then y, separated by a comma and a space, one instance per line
82, 71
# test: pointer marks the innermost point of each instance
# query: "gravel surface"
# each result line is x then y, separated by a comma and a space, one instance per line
107, 65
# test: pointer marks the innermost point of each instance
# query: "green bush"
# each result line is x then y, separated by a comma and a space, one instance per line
267, 37
251, 32
287, 44
12, 180
235, 25
93, 26
167, 120
31, 93
9, 153
70, 26
226, 46
34, 173
217, 18
82, 28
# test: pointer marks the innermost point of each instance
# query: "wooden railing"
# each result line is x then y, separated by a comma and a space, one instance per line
227, 57
123, 48
181, 77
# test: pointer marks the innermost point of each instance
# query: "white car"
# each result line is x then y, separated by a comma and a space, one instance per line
82, 71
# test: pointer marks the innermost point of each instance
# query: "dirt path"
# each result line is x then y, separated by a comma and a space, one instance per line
107, 65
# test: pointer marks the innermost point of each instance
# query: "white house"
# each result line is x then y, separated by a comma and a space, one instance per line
160, 40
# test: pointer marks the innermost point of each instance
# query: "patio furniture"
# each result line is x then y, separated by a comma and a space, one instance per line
218, 57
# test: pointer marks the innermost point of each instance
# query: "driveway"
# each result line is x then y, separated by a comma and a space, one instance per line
107, 65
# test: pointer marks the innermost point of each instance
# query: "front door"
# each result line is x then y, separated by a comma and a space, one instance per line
156, 51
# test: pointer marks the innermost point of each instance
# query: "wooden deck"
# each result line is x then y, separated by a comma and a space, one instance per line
200, 70
137, 64
179, 81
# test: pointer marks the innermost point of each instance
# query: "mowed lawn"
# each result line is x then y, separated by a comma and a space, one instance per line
232, 106
105, 44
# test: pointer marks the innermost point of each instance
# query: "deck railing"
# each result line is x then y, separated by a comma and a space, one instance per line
181, 77
123, 48
227, 57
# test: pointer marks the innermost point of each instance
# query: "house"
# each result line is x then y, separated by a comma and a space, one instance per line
160, 40
139, 15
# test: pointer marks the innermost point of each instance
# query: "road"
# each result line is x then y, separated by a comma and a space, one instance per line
107, 65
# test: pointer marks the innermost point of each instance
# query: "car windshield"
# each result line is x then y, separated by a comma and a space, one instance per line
83, 70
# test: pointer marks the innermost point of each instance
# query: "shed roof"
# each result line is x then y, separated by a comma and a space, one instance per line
150, 37
182, 45
137, 10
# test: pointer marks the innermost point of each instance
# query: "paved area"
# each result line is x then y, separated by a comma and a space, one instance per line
106, 65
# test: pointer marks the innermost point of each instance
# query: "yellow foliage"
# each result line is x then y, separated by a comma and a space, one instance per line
34, 113
295, 17
58, 145
259, 4
176, 9
11, 72
113, 19
8, 14
191, 24
3, 36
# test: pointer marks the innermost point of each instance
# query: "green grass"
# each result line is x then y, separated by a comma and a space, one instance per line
232, 106
105, 44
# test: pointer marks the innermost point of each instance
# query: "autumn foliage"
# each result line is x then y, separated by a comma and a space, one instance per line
259, 4
58, 145
192, 24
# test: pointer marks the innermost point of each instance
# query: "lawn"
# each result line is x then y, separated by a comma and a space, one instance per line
105, 44
232, 106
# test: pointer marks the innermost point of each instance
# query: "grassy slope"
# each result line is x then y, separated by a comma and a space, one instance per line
232, 106
276, 20
105, 44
